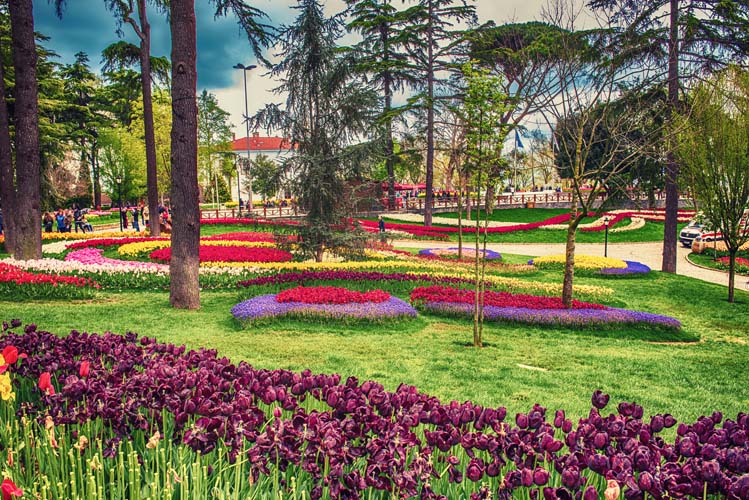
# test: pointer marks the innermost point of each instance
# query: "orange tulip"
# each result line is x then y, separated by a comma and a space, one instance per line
612, 490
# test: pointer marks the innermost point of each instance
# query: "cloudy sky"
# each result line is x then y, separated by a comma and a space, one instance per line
87, 26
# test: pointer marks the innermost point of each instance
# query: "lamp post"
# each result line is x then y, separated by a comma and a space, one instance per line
606, 237
118, 180
245, 69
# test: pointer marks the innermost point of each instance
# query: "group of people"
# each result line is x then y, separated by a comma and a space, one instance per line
66, 220
134, 215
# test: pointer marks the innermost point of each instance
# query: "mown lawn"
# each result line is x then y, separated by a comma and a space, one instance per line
688, 374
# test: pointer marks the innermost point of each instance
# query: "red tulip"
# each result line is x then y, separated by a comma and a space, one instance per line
85, 369
45, 383
10, 354
10, 490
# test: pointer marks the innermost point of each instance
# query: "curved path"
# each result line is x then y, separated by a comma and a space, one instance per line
649, 254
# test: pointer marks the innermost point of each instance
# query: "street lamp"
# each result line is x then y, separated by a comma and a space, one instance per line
606, 237
118, 180
245, 69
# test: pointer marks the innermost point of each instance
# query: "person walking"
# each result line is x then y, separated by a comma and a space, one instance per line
381, 224
48, 220
136, 216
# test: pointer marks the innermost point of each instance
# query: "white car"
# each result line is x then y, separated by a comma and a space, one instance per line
690, 232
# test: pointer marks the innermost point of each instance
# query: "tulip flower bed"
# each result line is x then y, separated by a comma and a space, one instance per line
15, 283
531, 309
331, 295
324, 302
414, 228
453, 252
145, 409
633, 268
742, 264
109, 242
582, 262
403, 282
89, 263
221, 254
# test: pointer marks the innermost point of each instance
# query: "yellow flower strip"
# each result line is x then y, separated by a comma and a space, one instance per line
139, 248
589, 262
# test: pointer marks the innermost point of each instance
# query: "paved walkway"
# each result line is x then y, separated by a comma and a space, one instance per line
646, 253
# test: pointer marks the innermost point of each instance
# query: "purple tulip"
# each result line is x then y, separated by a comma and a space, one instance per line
540, 476
590, 493
599, 399
571, 477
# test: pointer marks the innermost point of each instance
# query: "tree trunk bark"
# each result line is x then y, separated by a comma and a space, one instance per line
27, 214
428, 199
731, 274
185, 264
668, 264
145, 78
569, 260
7, 182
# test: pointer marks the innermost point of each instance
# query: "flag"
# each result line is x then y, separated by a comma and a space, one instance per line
518, 142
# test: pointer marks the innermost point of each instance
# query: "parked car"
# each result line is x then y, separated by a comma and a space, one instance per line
694, 229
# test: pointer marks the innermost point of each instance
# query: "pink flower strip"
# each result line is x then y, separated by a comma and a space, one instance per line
94, 256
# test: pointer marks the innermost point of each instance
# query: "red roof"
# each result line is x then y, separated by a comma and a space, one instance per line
258, 143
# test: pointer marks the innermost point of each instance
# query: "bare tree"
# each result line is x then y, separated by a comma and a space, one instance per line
595, 134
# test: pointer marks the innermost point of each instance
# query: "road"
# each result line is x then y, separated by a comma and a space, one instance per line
646, 253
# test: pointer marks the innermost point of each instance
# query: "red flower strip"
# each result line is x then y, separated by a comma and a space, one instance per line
330, 295
13, 274
229, 254
497, 299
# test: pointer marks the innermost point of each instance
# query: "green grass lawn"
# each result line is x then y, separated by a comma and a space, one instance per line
687, 374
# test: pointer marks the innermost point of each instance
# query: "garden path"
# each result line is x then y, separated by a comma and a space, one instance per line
647, 253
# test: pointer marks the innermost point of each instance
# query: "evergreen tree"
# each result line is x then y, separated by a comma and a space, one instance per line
382, 56
83, 120
434, 42
328, 109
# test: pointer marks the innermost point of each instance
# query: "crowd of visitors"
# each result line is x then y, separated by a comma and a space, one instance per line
75, 219
66, 220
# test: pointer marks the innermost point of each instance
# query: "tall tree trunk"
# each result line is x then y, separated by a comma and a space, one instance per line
388, 94
95, 187
145, 78
672, 167
569, 257
27, 214
731, 273
7, 182
185, 263
429, 198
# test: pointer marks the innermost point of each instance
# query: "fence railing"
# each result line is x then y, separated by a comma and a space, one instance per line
417, 204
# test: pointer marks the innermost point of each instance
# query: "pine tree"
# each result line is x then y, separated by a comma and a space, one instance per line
327, 110
434, 42
382, 56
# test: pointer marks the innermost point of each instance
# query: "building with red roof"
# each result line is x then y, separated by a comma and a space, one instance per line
275, 148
